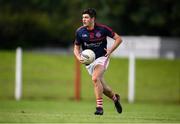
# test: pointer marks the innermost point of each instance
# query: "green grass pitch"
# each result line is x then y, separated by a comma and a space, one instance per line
76, 112
48, 91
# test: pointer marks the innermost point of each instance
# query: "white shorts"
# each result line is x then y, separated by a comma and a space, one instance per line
104, 61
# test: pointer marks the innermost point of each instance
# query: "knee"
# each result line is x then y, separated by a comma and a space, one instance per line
95, 79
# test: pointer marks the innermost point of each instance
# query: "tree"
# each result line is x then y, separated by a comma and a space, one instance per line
33, 23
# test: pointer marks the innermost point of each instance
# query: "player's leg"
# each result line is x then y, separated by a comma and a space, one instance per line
106, 89
98, 88
109, 93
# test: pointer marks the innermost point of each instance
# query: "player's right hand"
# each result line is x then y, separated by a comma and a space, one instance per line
81, 60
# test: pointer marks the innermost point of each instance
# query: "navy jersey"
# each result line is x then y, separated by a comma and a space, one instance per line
94, 39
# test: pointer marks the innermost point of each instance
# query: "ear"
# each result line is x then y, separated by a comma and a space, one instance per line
93, 19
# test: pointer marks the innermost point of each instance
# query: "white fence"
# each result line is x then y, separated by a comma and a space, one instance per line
148, 47
132, 47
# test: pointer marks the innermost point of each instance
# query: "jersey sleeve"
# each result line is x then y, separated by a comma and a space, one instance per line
109, 32
77, 39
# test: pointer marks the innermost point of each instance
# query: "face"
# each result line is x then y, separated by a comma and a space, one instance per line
87, 20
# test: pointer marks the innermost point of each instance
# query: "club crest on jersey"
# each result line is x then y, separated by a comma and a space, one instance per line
84, 35
98, 34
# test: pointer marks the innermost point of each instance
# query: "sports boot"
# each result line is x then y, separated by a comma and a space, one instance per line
99, 111
117, 104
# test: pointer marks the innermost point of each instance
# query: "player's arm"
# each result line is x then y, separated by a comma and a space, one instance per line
77, 51
117, 42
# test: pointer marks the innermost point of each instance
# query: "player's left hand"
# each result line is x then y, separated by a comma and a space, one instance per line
108, 52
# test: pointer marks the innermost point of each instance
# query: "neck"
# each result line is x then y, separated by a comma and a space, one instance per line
91, 27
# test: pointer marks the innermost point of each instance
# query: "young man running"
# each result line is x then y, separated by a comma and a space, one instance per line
93, 36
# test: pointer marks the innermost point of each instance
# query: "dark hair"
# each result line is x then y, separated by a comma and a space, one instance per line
90, 11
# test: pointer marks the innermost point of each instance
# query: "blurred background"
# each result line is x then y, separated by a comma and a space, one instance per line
39, 23
45, 30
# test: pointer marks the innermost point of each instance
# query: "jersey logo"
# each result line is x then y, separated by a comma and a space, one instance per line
98, 34
84, 35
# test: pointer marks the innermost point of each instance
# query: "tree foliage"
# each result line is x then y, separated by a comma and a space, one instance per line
39, 23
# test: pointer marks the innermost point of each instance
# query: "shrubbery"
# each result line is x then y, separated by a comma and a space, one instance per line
38, 23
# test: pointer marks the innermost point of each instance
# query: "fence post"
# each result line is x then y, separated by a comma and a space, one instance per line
18, 74
131, 78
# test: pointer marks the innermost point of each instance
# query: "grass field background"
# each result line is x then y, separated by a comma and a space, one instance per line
48, 90
71, 112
